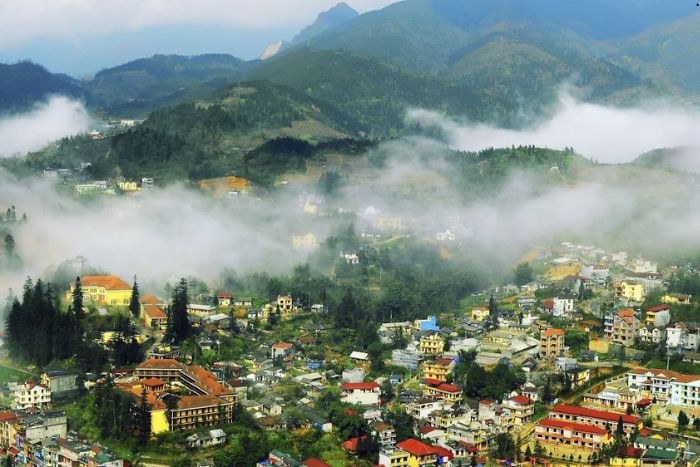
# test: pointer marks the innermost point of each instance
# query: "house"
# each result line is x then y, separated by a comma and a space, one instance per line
154, 316
562, 306
243, 302
521, 407
629, 290
29, 394
201, 311
419, 453
657, 316
578, 376
313, 462
349, 257
353, 375
62, 383
360, 393
427, 324
439, 369
406, 358
446, 391
479, 313
224, 299
431, 344
304, 241
384, 434
651, 334
103, 290
359, 357
622, 327
281, 350
551, 343
205, 439
676, 299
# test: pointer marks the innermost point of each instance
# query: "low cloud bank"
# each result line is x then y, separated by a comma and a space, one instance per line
56, 118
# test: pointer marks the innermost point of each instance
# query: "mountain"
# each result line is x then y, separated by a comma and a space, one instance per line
211, 137
668, 54
329, 19
679, 159
375, 94
273, 49
136, 88
519, 47
25, 83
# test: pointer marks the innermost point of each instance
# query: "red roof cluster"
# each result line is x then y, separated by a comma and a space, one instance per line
592, 413
359, 386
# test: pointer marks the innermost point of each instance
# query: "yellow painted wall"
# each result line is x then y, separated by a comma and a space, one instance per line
159, 422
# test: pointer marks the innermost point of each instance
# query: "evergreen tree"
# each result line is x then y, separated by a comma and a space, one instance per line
78, 300
143, 420
683, 420
9, 245
135, 302
179, 327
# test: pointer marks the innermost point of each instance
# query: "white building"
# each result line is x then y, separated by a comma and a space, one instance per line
562, 306
29, 395
360, 393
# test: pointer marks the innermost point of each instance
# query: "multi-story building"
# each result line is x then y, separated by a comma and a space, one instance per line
589, 438
61, 382
479, 313
622, 327
154, 316
522, 409
446, 391
551, 343
676, 298
199, 411
657, 316
562, 306
600, 418
651, 334
680, 337
360, 393
419, 453
384, 434
629, 290
103, 290
432, 344
406, 358
281, 350
439, 369
30, 394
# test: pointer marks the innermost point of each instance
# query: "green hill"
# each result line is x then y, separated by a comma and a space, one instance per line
136, 88
25, 83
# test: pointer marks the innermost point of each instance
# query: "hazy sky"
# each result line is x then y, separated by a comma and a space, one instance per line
80, 37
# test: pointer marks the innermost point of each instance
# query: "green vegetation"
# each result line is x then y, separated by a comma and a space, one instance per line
25, 83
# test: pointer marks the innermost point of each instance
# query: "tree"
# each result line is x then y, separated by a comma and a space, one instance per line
135, 302
683, 420
179, 327
528, 452
504, 447
696, 424
78, 300
523, 274
547, 392
9, 245
143, 420
387, 391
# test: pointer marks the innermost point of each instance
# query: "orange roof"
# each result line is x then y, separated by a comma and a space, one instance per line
351, 444
520, 399
162, 364
194, 402
153, 382
553, 332
353, 386
151, 300
313, 462
592, 413
415, 447
155, 312
108, 282
282, 345
447, 387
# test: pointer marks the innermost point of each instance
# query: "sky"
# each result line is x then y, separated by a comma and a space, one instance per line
80, 37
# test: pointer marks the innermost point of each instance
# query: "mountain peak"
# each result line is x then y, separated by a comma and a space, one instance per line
339, 14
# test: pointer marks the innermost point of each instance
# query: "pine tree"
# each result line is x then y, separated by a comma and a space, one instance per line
9, 245
683, 420
143, 419
179, 327
135, 302
78, 300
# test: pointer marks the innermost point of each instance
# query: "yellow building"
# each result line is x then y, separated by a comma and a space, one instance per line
419, 453
480, 313
103, 290
7, 428
432, 344
126, 185
676, 299
439, 370
630, 290
198, 411
395, 458
154, 317
304, 242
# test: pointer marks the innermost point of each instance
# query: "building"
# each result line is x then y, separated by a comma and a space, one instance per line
522, 408
205, 439
629, 290
419, 453
384, 434
281, 350
562, 306
62, 383
676, 298
622, 327
445, 391
224, 299
200, 411
657, 316
651, 334
479, 313
431, 344
304, 241
103, 290
427, 324
360, 393
564, 433
30, 394
551, 343
600, 418
439, 369
406, 358
154, 317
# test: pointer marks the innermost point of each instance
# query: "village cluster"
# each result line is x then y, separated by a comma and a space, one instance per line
587, 395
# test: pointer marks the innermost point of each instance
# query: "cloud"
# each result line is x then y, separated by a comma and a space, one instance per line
603, 133
49, 121
27, 20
